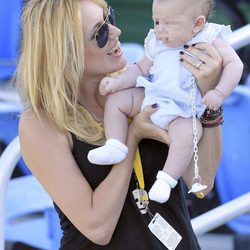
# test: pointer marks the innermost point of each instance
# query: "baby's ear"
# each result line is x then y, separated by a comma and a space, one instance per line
199, 23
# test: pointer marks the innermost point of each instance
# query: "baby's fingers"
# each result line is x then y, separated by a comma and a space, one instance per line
103, 87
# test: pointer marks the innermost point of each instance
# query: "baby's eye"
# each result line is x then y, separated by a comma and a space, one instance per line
156, 22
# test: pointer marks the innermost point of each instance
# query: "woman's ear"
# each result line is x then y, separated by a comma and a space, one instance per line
199, 24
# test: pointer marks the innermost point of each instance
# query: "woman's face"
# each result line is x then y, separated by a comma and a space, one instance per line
105, 60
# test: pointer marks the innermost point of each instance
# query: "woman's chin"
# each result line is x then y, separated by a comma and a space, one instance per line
121, 63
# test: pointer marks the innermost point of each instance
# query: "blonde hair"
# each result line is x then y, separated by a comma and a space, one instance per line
51, 65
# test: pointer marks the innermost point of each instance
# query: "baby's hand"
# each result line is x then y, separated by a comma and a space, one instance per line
213, 99
108, 85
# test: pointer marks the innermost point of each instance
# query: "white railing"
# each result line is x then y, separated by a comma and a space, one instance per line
221, 214
240, 37
8, 161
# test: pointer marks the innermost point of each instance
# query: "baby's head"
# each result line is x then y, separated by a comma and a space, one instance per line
177, 21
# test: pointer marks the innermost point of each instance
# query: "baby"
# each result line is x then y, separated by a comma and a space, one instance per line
177, 25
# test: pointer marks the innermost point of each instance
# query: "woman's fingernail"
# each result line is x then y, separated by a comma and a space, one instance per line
181, 59
185, 46
181, 52
154, 106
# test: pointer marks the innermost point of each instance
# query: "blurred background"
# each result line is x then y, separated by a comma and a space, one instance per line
221, 220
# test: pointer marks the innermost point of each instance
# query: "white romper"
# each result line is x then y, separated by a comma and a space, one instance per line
169, 83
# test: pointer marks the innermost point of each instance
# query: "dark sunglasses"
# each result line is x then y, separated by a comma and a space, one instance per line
102, 34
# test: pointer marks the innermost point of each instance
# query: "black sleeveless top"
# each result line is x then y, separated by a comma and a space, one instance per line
132, 228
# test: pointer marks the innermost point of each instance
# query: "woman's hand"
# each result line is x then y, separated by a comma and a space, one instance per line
142, 127
206, 68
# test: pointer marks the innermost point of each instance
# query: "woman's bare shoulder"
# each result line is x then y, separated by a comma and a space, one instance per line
32, 119
37, 127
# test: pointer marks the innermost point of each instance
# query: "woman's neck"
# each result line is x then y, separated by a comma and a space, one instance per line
91, 99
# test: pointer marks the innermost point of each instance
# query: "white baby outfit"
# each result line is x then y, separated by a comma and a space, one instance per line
174, 89
169, 82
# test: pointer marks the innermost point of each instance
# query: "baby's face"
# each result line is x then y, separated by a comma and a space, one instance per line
173, 21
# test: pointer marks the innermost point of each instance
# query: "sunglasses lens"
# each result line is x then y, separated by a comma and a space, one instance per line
111, 17
103, 32
102, 35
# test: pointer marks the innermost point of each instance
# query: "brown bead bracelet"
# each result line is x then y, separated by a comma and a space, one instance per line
212, 118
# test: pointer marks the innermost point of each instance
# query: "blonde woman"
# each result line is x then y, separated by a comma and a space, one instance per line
68, 46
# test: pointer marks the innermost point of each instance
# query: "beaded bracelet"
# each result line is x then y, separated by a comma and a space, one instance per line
212, 118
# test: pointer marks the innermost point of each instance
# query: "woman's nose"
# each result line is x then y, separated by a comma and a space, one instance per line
114, 32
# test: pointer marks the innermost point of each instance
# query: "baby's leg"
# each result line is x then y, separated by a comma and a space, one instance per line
179, 155
119, 106
181, 146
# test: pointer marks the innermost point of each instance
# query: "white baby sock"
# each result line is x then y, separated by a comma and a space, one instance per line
160, 191
112, 152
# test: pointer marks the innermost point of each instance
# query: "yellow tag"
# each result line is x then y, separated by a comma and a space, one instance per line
200, 195
138, 169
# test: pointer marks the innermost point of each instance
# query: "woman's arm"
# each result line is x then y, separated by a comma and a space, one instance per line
210, 152
48, 154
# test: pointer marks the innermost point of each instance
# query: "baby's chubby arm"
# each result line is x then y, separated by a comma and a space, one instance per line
127, 79
231, 75
213, 99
